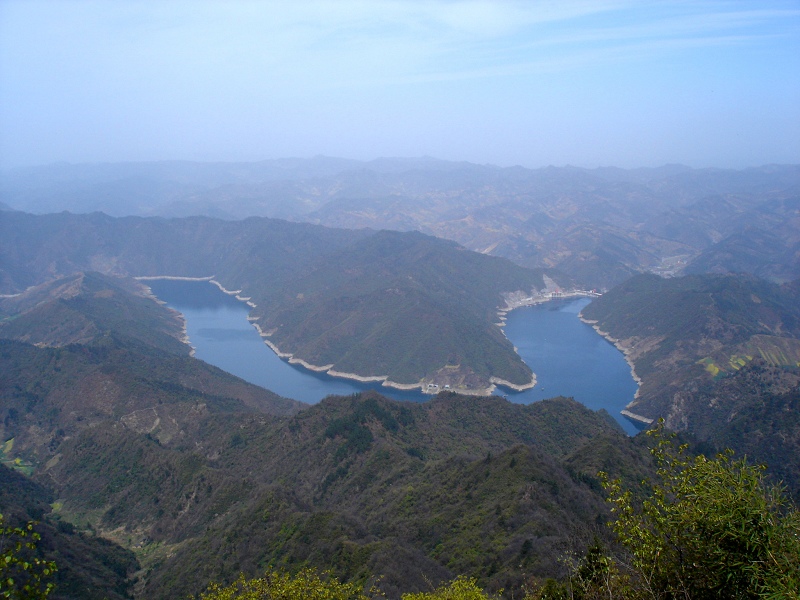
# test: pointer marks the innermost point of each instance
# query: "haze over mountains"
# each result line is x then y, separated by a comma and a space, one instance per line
597, 226
154, 475
342, 299
170, 473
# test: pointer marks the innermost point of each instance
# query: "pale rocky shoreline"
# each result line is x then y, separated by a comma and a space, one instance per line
328, 369
514, 386
422, 385
626, 351
149, 292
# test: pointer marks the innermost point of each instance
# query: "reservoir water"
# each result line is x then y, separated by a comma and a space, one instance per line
568, 356
570, 359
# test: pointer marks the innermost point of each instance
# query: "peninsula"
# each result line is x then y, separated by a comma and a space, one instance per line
406, 309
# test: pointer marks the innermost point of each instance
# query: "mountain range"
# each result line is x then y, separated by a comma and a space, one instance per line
598, 226
153, 473
133, 444
136, 446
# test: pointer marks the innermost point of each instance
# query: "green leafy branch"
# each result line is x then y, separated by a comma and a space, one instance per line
23, 576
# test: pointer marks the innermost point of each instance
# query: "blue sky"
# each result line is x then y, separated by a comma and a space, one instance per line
625, 83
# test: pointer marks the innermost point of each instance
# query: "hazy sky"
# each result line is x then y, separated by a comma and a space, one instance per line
626, 83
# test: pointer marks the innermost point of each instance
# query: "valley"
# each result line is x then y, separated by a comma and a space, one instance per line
171, 458
568, 359
429, 300
170, 473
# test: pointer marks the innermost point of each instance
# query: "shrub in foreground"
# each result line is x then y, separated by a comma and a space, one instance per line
461, 588
278, 585
24, 575
710, 528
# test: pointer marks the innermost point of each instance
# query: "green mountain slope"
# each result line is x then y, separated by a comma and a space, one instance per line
364, 485
755, 411
696, 326
676, 329
37, 248
717, 355
403, 306
85, 307
89, 567
434, 300
52, 393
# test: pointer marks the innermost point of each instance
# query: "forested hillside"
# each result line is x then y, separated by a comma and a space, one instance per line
89, 566
718, 355
406, 307
204, 476
85, 307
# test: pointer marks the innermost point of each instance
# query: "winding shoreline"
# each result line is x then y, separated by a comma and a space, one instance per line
328, 369
172, 278
178, 315
626, 351
235, 293
516, 387
424, 386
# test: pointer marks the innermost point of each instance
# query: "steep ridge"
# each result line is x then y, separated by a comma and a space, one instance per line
366, 486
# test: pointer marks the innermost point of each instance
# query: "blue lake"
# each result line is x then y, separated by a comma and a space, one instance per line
570, 359
568, 356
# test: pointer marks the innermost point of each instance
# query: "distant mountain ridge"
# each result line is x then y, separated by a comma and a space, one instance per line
599, 226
